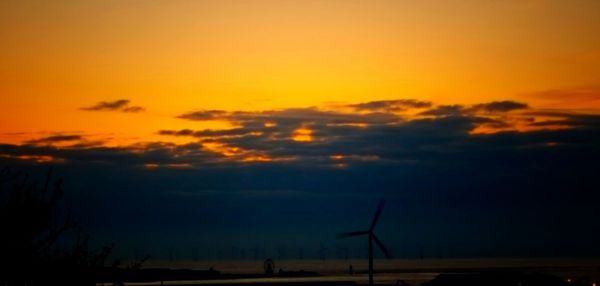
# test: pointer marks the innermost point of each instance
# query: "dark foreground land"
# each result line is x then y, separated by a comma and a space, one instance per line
427, 274
486, 278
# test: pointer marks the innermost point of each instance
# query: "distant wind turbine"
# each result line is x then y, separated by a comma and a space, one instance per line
323, 252
255, 252
372, 238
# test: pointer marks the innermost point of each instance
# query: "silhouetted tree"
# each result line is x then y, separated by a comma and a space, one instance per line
40, 244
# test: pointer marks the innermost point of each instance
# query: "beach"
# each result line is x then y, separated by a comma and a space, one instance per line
387, 272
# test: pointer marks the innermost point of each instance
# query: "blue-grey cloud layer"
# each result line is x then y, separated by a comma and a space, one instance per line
507, 193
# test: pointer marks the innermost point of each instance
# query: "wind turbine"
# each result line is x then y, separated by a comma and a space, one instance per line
372, 238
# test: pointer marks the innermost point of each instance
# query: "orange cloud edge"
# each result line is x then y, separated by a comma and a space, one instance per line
494, 117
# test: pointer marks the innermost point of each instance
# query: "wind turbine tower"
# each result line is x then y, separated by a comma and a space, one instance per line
372, 238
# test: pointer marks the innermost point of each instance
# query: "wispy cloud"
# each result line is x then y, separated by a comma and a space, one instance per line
390, 105
500, 106
580, 99
203, 115
56, 139
122, 105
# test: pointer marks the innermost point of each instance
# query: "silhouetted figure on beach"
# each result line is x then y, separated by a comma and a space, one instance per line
170, 252
350, 270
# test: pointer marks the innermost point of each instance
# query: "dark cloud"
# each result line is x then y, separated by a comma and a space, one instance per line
460, 110
420, 141
390, 105
292, 116
122, 105
204, 115
135, 156
387, 137
445, 110
56, 139
500, 106
573, 120
133, 109
74, 141
182, 132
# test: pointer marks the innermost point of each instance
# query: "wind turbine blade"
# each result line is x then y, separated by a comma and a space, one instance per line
377, 214
350, 234
387, 254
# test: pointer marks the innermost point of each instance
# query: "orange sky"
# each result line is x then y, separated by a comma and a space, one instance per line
172, 57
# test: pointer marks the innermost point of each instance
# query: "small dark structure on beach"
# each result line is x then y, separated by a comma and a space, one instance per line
269, 266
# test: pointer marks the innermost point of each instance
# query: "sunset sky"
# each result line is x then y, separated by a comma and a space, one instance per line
303, 101
171, 57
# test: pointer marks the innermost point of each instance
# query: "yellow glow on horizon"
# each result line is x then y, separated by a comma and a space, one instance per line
340, 165
336, 157
224, 150
257, 158
154, 166
352, 124
151, 166
36, 158
484, 129
302, 134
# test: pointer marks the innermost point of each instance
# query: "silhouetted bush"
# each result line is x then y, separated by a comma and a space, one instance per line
40, 244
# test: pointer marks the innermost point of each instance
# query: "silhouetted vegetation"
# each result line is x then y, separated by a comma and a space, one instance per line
40, 244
